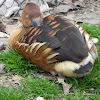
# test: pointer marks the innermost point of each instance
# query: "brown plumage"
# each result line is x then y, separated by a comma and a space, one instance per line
56, 45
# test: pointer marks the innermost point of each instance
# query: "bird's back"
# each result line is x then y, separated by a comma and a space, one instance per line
60, 35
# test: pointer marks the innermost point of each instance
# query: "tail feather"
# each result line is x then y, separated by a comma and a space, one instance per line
84, 69
72, 69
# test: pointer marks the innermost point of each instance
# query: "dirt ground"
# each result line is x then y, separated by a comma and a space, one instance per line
80, 10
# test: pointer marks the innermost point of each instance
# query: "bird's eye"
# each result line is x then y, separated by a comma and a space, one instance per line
27, 16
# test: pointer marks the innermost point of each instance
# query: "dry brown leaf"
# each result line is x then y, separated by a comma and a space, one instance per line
2, 46
3, 43
67, 1
45, 77
79, 3
66, 87
10, 28
16, 79
62, 8
10, 23
2, 27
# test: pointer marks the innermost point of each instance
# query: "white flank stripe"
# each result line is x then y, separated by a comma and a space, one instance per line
25, 45
86, 37
53, 55
33, 46
47, 50
40, 45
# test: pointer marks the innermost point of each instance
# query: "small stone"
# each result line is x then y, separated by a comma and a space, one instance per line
39, 98
3, 35
95, 40
92, 89
1, 82
1, 67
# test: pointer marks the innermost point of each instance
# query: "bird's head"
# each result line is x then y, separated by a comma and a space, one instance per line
31, 15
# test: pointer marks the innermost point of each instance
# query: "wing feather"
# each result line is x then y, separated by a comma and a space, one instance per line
75, 41
38, 54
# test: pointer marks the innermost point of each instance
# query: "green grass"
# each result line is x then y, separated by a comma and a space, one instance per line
16, 64
33, 86
11, 94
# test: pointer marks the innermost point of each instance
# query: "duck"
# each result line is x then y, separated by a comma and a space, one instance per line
53, 43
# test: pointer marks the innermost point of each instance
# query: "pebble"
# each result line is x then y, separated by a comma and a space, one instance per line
1, 67
39, 98
95, 40
3, 35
